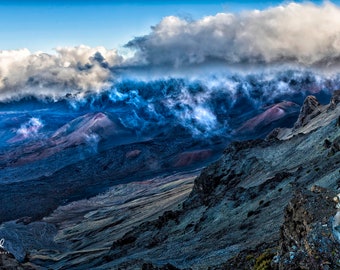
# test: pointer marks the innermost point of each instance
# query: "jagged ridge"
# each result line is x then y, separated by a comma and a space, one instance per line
235, 216
237, 203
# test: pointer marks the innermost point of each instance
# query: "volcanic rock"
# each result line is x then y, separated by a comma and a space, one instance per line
306, 240
310, 109
236, 216
8, 262
237, 206
335, 100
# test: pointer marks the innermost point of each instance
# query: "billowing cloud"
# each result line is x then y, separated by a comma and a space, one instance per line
306, 34
70, 70
210, 105
303, 34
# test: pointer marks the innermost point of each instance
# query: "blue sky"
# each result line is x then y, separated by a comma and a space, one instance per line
44, 25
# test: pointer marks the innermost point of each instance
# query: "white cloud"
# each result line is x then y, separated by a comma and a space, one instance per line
306, 34
70, 70
303, 33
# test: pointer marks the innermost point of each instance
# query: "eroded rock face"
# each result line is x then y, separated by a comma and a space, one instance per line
8, 262
237, 208
334, 147
236, 216
306, 235
309, 110
335, 100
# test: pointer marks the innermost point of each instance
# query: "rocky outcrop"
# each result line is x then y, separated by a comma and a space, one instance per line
8, 262
310, 109
334, 146
248, 210
335, 100
237, 206
306, 235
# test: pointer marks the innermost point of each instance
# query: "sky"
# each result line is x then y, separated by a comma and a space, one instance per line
43, 25
54, 48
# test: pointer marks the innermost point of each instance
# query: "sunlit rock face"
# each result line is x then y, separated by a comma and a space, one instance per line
309, 110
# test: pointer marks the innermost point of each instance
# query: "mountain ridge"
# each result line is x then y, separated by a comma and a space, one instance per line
237, 215
239, 200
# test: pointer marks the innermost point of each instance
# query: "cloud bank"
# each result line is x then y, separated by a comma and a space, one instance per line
306, 34
206, 106
70, 70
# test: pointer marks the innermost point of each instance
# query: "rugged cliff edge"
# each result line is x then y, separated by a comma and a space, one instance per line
251, 208
265, 204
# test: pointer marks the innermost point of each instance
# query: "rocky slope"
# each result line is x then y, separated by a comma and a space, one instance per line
251, 209
238, 206
83, 231
124, 163
50, 149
